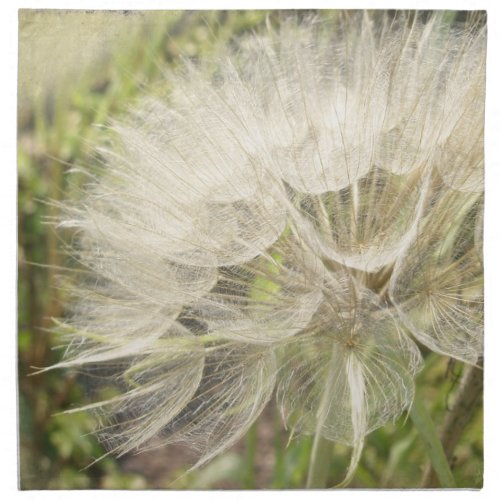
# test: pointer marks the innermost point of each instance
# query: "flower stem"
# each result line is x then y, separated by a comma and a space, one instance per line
319, 464
250, 450
279, 474
430, 438
465, 402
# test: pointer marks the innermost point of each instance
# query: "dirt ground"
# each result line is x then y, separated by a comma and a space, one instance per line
161, 466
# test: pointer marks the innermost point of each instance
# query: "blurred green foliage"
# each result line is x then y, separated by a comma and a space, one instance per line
56, 131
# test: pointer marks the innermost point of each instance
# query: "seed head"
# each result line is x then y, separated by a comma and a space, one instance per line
289, 222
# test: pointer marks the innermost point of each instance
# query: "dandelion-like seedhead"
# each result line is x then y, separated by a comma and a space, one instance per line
288, 223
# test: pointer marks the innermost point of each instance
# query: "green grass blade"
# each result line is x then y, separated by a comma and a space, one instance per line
428, 433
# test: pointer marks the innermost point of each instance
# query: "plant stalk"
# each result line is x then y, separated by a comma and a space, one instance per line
430, 438
250, 451
465, 402
319, 464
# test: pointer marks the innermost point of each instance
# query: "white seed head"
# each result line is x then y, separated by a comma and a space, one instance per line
286, 221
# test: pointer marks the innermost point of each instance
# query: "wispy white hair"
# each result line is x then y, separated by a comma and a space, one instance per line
288, 220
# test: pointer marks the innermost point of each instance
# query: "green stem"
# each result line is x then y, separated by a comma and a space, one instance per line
319, 464
430, 438
465, 402
250, 449
279, 475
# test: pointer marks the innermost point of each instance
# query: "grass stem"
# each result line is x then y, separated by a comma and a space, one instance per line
319, 464
430, 438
